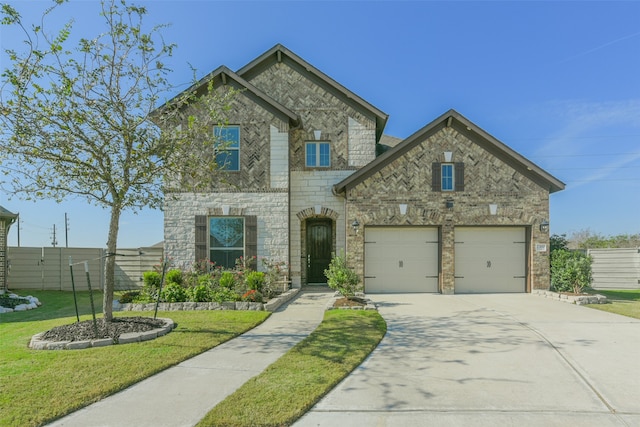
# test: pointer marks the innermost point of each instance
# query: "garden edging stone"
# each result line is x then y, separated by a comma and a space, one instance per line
37, 343
571, 299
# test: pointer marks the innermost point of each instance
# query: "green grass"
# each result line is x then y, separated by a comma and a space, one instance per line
624, 302
295, 382
38, 386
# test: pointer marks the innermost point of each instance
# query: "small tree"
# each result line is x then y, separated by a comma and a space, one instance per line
84, 121
341, 277
570, 271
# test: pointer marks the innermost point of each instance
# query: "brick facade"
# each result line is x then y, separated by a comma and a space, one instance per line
488, 180
283, 104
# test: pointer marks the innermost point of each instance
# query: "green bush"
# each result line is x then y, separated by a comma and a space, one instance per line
227, 280
130, 296
173, 292
199, 293
224, 294
174, 276
254, 280
570, 271
151, 279
252, 296
340, 277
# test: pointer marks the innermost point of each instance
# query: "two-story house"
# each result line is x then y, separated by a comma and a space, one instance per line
449, 209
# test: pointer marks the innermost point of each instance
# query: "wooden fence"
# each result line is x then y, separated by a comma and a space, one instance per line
615, 268
48, 268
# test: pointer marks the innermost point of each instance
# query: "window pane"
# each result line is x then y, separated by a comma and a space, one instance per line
325, 158
311, 154
226, 232
229, 160
229, 135
225, 258
447, 177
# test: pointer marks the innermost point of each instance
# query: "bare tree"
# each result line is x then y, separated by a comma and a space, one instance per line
84, 121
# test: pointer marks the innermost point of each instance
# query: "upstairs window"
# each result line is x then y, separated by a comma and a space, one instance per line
317, 154
447, 177
227, 147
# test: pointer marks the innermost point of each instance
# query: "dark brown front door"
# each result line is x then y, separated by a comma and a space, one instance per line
319, 246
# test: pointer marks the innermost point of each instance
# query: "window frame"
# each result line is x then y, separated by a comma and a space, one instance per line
212, 249
318, 155
449, 178
231, 147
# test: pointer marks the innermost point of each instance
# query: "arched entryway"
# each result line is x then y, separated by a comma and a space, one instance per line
319, 246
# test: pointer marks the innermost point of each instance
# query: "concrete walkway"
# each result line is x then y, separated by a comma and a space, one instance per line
491, 360
184, 394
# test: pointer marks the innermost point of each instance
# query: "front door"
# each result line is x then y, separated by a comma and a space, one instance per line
319, 246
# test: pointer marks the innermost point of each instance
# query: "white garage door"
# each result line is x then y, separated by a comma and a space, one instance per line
401, 259
490, 259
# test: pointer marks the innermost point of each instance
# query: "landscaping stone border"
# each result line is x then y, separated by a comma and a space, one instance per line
37, 343
33, 303
271, 306
370, 304
571, 299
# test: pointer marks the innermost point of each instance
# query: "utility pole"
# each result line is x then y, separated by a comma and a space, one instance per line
54, 242
66, 230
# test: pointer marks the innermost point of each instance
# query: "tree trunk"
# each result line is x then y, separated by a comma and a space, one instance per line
112, 244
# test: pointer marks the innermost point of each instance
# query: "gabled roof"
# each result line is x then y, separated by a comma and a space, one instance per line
457, 121
278, 53
4, 213
224, 76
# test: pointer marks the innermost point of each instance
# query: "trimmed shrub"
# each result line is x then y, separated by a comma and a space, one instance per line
151, 279
174, 276
570, 271
340, 277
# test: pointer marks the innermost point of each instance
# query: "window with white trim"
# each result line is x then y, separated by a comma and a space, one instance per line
317, 154
447, 177
227, 147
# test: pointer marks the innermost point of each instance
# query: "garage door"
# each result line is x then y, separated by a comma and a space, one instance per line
490, 259
401, 259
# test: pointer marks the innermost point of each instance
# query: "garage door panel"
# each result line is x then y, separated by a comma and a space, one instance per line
401, 259
490, 259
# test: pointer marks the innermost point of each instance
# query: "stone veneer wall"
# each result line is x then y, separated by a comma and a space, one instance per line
488, 180
271, 209
308, 190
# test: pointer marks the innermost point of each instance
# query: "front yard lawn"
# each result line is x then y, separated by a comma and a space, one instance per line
624, 302
295, 382
38, 386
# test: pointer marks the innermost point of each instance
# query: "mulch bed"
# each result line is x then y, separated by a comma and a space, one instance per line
81, 331
350, 302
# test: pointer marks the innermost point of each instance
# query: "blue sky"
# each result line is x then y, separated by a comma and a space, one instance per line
559, 82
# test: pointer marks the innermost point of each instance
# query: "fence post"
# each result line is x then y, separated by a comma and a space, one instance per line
93, 307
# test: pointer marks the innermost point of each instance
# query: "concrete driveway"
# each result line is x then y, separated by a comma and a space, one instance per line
487, 360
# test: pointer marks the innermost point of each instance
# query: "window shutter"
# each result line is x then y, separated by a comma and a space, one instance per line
250, 236
436, 177
201, 238
459, 171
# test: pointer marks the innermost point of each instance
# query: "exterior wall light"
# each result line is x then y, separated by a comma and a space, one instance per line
355, 225
544, 226
403, 208
317, 134
449, 204
493, 209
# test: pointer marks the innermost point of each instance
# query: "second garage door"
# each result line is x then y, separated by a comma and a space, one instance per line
401, 259
490, 259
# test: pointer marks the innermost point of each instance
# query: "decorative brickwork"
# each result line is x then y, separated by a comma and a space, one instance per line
488, 180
